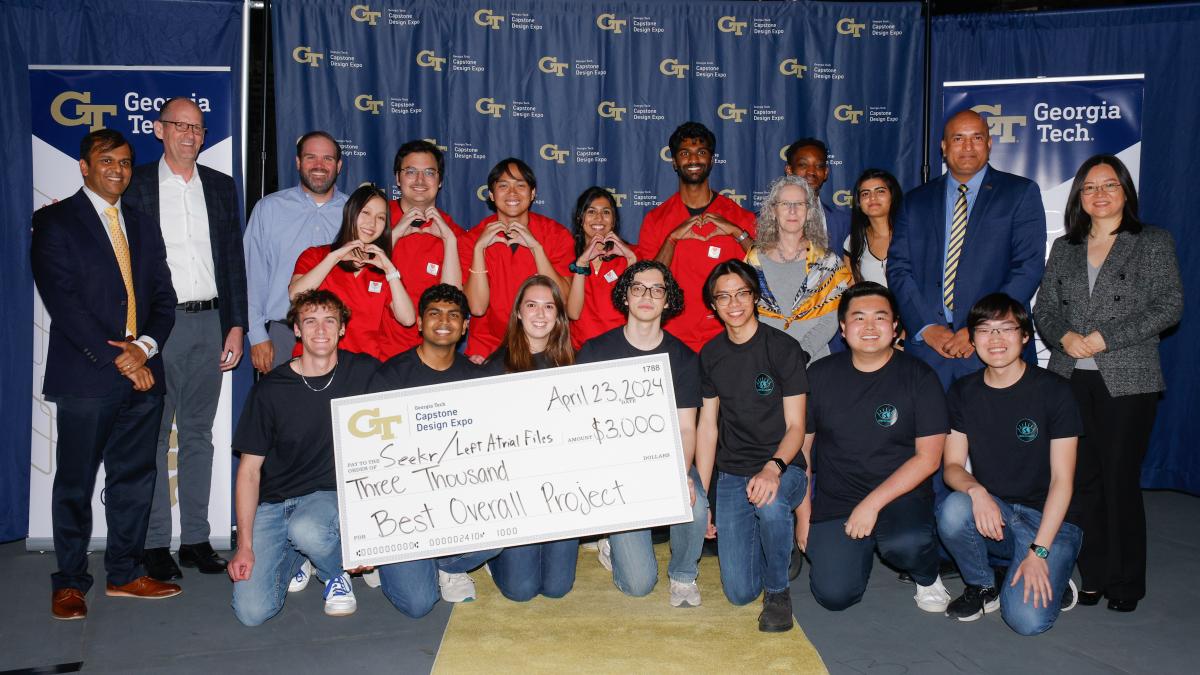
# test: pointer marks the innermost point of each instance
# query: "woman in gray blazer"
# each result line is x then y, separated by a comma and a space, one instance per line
1111, 287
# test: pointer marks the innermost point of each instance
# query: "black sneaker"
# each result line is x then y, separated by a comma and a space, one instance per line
776, 616
974, 603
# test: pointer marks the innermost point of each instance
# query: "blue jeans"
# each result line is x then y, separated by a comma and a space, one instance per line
754, 544
635, 569
905, 534
285, 533
972, 550
412, 587
523, 572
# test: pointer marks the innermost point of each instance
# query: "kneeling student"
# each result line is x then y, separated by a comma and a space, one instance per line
286, 491
647, 294
878, 423
752, 424
1019, 426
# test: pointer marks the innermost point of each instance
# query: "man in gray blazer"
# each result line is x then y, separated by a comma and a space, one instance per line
197, 210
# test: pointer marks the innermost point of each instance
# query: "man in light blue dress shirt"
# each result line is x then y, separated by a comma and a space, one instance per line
282, 225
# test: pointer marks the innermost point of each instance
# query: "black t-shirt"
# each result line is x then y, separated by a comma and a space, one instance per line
1009, 431
866, 426
685, 365
495, 363
406, 370
751, 381
291, 426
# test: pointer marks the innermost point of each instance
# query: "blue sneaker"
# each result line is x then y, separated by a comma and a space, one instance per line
339, 596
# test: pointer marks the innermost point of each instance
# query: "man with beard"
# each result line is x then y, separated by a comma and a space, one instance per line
694, 231
282, 225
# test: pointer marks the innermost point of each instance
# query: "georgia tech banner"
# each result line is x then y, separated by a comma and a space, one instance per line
67, 103
589, 92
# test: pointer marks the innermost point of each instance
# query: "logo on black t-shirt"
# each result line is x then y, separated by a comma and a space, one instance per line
886, 415
1027, 430
764, 384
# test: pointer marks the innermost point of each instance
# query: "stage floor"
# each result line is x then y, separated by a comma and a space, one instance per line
886, 633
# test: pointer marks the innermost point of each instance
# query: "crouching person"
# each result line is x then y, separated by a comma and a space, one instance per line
286, 492
1019, 426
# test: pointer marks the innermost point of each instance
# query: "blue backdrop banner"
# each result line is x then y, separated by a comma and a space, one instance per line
589, 92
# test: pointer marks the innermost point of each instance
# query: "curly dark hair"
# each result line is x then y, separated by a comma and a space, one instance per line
674, 297
692, 131
317, 297
443, 293
581, 205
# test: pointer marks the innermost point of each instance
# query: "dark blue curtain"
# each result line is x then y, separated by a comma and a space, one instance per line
1158, 41
92, 32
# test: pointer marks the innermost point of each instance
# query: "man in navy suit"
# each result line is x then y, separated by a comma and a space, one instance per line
101, 270
197, 212
968, 233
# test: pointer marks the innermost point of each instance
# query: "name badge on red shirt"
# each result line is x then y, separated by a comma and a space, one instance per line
714, 252
374, 286
610, 276
432, 269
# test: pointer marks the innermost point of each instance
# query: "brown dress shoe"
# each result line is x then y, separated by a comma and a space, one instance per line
67, 604
144, 587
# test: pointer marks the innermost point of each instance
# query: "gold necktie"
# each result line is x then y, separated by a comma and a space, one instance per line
958, 231
121, 250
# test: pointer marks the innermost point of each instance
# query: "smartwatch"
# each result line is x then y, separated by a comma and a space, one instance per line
1040, 551
582, 271
780, 464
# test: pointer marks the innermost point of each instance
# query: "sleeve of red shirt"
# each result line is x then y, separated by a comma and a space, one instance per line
310, 259
560, 249
650, 237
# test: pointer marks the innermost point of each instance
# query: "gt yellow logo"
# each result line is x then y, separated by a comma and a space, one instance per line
488, 19
673, 68
730, 24
550, 152
426, 58
367, 103
551, 65
610, 110
783, 152
729, 111
363, 14
792, 67
481, 193
665, 153
488, 106
1000, 125
307, 55
367, 422
85, 111
610, 22
435, 143
847, 26
618, 197
734, 196
841, 198
847, 113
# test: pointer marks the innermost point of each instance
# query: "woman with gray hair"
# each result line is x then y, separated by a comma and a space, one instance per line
802, 280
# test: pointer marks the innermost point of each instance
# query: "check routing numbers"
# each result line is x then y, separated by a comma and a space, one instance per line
509, 460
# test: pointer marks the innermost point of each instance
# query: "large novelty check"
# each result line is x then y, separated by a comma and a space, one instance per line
503, 461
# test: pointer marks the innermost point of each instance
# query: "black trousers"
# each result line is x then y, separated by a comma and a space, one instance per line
1108, 475
121, 430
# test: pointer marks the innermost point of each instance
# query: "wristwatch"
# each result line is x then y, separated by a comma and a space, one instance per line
582, 271
1040, 551
779, 463
742, 237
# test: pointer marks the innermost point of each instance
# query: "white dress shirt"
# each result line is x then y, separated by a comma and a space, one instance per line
183, 217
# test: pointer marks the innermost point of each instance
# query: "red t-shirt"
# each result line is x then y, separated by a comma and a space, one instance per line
506, 271
368, 297
599, 315
418, 257
693, 260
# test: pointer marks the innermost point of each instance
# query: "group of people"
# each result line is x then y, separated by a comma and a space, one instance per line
844, 386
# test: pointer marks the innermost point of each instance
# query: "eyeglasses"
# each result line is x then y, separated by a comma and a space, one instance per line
1107, 188
1005, 331
723, 299
197, 129
793, 207
656, 292
413, 172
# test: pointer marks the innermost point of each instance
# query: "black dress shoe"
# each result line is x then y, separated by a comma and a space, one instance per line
202, 557
1122, 605
159, 564
1090, 598
796, 564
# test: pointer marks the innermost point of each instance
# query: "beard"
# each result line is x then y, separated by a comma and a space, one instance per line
319, 188
688, 179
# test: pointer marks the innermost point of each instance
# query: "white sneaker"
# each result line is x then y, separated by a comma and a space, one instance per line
934, 597
590, 545
300, 581
684, 594
604, 553
456, 587
339, 596
1070, 598
371, 578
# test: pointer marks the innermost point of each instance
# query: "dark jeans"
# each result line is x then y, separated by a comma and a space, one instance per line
905, 534
1108, 485
524, 572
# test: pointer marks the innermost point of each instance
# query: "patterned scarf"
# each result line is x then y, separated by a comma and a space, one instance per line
824, 281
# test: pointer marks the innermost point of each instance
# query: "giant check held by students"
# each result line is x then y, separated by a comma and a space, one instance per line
509, 460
